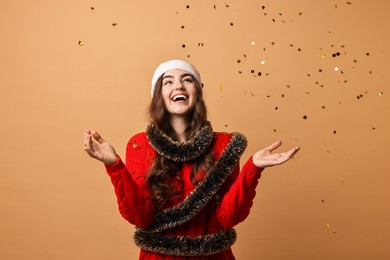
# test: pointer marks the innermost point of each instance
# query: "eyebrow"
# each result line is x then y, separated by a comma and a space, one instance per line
181, 76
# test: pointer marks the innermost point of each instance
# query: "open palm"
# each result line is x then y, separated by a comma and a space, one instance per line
266, 158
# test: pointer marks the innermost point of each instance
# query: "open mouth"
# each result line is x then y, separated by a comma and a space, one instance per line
180, 97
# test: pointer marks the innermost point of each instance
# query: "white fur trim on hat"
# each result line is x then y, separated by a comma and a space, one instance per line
171, 65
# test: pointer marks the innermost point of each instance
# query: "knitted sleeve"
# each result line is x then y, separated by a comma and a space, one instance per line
238, 199
134, 201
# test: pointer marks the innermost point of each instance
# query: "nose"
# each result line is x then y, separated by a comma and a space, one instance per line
179, 85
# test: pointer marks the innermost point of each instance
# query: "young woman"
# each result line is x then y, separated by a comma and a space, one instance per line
182, 186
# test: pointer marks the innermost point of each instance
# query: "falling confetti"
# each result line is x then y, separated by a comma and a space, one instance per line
305, 117
187, 6
328, 225
336, 68
335, 54
253, 43
114, 24
220, 88
81, 43
262, 62
92, 8
183, 45
380, 93
238, 61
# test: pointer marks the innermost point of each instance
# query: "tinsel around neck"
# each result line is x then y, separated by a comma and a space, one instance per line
177, 151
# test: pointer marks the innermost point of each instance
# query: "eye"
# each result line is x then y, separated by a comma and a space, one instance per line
168, 82
188, 80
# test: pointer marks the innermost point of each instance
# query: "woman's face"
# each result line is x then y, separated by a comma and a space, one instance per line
179, 92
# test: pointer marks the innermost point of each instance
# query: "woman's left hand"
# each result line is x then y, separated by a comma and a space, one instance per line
265, 158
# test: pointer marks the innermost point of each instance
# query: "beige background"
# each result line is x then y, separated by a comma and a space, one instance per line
330, 202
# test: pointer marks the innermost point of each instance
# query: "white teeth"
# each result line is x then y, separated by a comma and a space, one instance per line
179, 97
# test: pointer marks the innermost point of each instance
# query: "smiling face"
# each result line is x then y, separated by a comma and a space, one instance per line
178, 92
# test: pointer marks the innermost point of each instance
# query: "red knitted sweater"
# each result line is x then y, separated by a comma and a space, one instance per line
135, 202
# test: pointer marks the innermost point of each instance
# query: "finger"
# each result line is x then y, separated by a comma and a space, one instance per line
288, 155
97, 137
86, 133
274, 146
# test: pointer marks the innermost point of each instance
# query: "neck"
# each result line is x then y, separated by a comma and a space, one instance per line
179, 125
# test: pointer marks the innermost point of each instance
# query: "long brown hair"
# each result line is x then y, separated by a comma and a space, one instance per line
163, 171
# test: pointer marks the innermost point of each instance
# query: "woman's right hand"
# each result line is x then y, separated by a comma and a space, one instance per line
96, 147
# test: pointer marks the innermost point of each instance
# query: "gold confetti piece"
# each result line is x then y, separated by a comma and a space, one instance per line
334, 131
380, 93
200, 44
299, 49
328, 225
305, 117
238, 61
231, 24
323, 56
215, 7
220, 88
92, 8
262, 62
336, 68
323, 107
182, 26
322, 201
275, 130
368, 54
183, 45
373, 128
114, 24
349, 3
253, 43
263, 7
226, 125
252, 94
187, 6
259, 74
81, 43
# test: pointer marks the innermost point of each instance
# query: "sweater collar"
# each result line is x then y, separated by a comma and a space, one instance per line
177, 151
